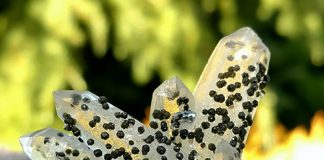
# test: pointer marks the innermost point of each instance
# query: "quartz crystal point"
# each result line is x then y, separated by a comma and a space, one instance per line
233, 80
97, 120
174, 105
172, 97
52, 144
212, 123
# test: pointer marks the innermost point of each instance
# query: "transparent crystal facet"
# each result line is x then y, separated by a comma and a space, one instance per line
174, 98
52, 144
213, 122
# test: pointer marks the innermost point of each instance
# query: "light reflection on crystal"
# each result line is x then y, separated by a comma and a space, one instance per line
184, 118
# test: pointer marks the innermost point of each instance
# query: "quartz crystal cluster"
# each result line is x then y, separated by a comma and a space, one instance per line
212, 123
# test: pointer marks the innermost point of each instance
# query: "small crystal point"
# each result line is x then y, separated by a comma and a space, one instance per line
52, 144
25, 142
170, 91
174, 98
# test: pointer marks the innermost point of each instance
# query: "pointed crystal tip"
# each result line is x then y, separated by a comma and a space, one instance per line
246, 38
64, 98
243, 33
66, 94
25, 142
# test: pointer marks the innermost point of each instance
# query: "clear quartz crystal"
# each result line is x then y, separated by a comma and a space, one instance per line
64, 99
213, 122
168, 96
50, 144
242, 48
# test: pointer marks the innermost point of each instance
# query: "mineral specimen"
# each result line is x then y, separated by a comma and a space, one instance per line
212, 123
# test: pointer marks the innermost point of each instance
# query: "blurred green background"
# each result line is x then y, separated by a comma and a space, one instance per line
125, 49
